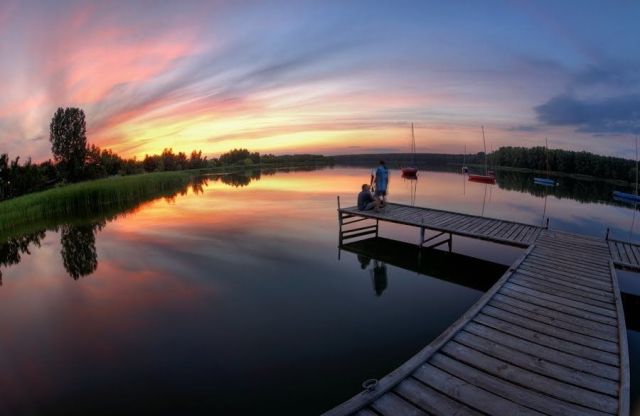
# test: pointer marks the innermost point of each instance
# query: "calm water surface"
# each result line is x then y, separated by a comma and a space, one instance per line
235, 299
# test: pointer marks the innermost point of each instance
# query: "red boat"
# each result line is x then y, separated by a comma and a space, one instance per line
482, 178
409, 171
489, 176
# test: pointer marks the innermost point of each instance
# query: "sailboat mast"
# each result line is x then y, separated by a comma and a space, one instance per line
413, 146
485, 151
546, 151
464, 158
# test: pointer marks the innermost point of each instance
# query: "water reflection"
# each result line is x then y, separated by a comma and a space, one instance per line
184, 287
13, 248
78, 252
375, 253
78, 234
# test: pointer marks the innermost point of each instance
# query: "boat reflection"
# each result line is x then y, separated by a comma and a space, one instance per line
378, 252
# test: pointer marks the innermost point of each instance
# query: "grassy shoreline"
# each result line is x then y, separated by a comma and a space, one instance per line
86, 198
107, 196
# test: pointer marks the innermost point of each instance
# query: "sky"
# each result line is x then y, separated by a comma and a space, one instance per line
329, 77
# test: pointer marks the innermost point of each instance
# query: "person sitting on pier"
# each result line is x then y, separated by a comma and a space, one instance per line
366, 201
381, 178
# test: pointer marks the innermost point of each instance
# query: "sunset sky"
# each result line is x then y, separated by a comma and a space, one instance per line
322, 76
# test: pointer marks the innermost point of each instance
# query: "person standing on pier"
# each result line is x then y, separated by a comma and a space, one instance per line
381, 179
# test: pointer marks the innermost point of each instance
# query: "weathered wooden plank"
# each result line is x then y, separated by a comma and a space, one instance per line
528, 236
463, 222
575, 256
473, 223
493, 227
565, 293
366, 412
549, 341
521, 233
525, 313
563, 301
558, 268
531, 381
569, 245
533, 363
550, 354
566, 256
560, 333
431, 400
613, 249
513, 229
600, 285
476, 229
500, 229
572, 265
636, 252
603, 298
467, 393
632, 258
503, 230
558, 307
541, 312
552, 271
581, 239
391, 405
625, 391
604, 295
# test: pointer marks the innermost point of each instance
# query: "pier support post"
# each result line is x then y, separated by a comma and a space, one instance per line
606, 237
547, 225
377, 225
421, 242
339, 222
450, 242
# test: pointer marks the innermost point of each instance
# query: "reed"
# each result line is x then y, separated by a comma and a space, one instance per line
88, 198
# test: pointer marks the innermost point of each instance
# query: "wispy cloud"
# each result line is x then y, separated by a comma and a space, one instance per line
291, 76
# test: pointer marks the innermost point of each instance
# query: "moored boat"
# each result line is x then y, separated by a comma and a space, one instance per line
545, 181
482, 178
489, 176
625, 197
411, 170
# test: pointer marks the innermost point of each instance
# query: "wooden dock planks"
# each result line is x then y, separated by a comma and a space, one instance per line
491, 229
625, 255
548, 338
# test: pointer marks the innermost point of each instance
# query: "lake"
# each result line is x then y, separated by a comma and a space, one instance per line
232, 296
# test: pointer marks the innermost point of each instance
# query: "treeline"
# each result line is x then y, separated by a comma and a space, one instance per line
565, 161
18, 178
74, 160
535, 158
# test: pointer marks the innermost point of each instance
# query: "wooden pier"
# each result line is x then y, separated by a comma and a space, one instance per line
625, 255
548, 338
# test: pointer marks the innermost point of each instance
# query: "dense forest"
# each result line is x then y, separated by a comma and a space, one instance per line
535, 158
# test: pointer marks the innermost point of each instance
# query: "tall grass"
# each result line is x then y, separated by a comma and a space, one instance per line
39, 210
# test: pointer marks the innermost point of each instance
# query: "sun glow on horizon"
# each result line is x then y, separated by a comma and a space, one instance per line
318, 78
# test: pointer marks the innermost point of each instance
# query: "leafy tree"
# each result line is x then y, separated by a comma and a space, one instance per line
67, 133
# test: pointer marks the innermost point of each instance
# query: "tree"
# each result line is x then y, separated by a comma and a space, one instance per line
67, 134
